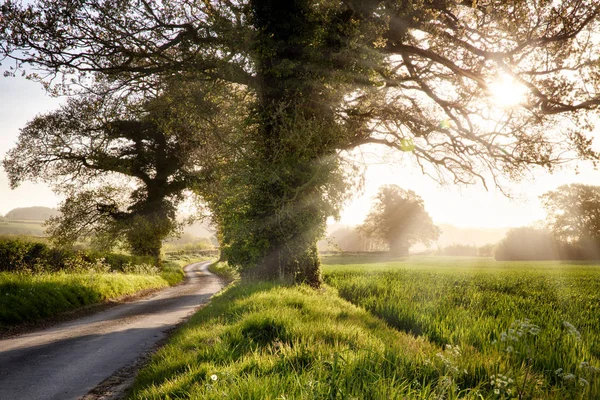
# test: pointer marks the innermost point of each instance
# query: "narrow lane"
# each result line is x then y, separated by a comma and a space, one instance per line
68, 360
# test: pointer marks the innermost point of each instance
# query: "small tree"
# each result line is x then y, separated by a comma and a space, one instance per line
398, 217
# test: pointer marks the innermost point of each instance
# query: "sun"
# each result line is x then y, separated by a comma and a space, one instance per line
506, 92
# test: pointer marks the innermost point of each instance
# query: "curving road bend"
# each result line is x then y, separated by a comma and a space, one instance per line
68, 360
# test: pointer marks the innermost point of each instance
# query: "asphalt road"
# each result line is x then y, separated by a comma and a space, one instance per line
68, 360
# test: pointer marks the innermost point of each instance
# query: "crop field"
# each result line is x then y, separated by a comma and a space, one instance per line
514, 329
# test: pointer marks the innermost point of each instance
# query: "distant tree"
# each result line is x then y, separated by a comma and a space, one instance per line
350, 239
574, 213
398, 217
487, 250
90, 145
528, 243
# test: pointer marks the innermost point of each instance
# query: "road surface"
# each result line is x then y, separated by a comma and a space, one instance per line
68, 360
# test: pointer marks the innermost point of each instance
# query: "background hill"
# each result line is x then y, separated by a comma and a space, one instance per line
31, 213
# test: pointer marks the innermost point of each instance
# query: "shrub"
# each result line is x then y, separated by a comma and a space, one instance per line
18, 255
527, 243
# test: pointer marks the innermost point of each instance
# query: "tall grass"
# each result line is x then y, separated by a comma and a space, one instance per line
482, 307
28, 297
262, 341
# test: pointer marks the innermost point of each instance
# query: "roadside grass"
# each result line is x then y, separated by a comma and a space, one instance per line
28, 297
172, 267
223, 270
536, 324
263, 341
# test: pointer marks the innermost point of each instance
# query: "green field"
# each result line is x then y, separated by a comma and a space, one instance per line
21, 227
449, 328
522, 320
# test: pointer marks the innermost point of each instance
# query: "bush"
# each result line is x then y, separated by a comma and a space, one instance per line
528, 244
17, 255
460, 250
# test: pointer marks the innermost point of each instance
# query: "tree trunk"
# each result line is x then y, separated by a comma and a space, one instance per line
285, 94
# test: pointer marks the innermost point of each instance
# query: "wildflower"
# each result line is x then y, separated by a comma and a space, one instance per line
214, 377
572, 330
497, 391
583, 382
568, 377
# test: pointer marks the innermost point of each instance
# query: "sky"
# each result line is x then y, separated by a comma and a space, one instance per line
473, 206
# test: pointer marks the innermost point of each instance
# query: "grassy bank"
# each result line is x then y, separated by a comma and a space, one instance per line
261, 341
27, 297
224, 271
448, 328
535, 323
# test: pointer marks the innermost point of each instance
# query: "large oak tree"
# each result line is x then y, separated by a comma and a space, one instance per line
325, 77
123, 166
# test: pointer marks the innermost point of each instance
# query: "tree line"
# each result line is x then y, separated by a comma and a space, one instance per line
571, 230
253, 107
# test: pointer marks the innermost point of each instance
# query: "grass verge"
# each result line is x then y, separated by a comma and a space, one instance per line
29, 297
224, 271
262, 341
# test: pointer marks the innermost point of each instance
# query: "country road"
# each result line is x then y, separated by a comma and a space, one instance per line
66, 361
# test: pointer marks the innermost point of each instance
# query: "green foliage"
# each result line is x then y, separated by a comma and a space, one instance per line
521, 320
273, 210
574, 216
398, 218
27, 297
29, 255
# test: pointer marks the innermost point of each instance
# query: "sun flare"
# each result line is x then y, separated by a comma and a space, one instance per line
506, 92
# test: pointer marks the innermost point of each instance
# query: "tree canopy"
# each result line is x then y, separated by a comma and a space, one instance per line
325, 77
123, 166
573, 213
398, 218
